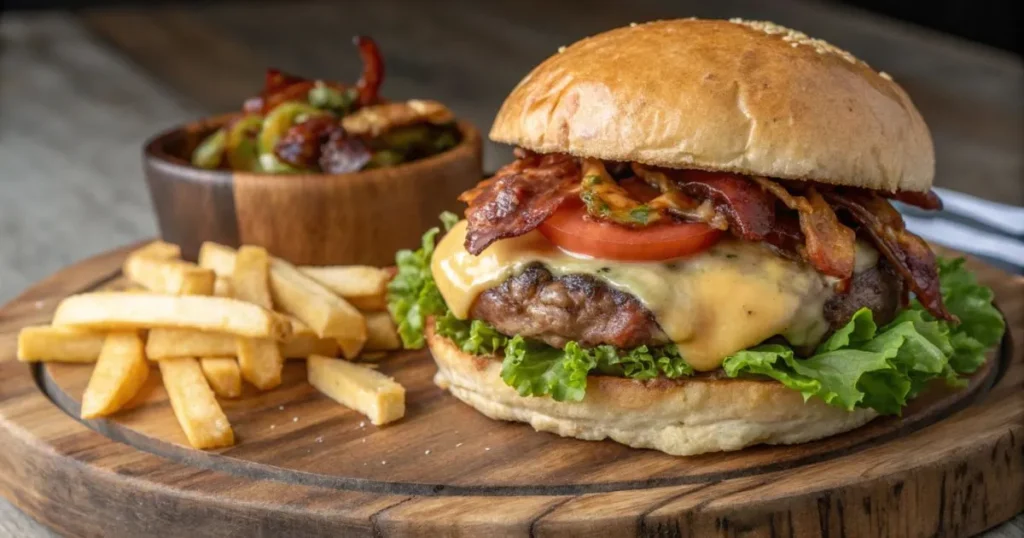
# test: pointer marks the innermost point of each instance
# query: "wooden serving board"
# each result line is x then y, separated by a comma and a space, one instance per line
305, 466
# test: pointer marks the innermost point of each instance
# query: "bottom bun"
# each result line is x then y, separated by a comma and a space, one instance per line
679, 417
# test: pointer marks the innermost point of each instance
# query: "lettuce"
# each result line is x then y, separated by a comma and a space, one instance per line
862, 365
537, 369
412, 294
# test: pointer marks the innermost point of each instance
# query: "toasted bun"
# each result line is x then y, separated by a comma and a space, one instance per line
681, 418
738, 96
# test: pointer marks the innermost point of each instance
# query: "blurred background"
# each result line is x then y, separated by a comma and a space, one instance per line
83, 83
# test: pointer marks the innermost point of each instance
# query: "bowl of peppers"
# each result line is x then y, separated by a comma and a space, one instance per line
318, 172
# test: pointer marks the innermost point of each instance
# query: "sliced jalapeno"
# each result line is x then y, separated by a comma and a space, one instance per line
210, 152
241, 143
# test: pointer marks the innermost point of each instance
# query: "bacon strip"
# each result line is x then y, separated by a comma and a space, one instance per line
749, 210
829, 246
518, 198
908, 253
925, 200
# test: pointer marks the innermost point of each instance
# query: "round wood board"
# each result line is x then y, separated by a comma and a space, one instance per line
305, 466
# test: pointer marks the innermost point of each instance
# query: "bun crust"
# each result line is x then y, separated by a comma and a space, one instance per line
680, 418
738, 96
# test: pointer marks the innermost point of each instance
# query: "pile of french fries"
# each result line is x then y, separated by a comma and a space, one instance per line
236, 315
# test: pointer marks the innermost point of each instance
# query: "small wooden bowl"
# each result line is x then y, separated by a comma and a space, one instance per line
315, 219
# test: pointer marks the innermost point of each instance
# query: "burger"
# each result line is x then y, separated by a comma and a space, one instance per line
695, 248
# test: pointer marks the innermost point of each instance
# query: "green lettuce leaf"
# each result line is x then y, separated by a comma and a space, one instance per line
412, 294
537, 369
862, 365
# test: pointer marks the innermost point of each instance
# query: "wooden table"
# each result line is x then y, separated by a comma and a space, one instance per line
80, 91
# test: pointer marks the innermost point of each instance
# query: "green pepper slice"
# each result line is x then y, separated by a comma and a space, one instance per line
210, 152
241, 144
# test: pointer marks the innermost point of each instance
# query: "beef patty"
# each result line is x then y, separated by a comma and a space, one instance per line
538, 305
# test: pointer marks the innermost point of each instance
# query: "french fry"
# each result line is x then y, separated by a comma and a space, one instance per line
370, 392
200, 416
260, 361
250, 278
171, 276
327, 314
364, 287
119, 374
125, 310
381, 333
219, 258
159, 249
301, 347
224, 375
177, 343
222, 287
166, 343
59, 344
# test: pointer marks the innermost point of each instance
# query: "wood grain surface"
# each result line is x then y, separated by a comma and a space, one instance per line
79, 93
305, 466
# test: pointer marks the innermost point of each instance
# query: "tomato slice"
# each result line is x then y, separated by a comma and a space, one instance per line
568, 228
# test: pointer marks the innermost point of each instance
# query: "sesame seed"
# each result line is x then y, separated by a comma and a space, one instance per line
561, 49
39, 305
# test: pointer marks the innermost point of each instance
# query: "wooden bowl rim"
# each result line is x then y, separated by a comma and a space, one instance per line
154, 154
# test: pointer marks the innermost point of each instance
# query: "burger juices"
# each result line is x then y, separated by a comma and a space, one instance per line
695, 248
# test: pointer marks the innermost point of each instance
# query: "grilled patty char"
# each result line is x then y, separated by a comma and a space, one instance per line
556, 310
537, 305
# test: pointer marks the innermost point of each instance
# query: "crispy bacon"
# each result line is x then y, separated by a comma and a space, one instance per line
749, 210
373, 70
908, 253
518, 198
829, 246
925, 200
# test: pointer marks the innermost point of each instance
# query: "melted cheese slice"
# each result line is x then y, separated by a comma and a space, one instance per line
732, 296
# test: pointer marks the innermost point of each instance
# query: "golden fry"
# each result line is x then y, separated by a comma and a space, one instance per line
59, 344
224, 375
250, 279
158, 249
176, 343
294, 293
127, 310
219, 258
119, 374
222, 287
381, 333
327, 314
171, 276
200, 416
364, 287
260, 361
370, 392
